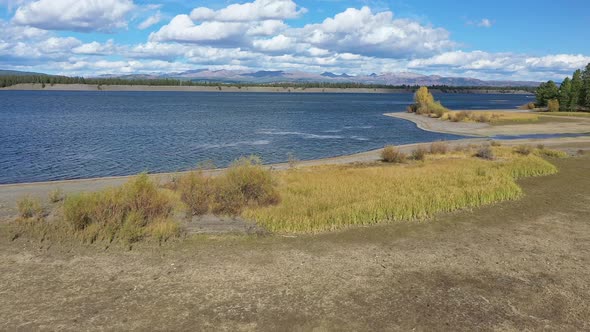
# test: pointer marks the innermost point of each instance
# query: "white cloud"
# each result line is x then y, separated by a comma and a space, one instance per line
96, 48
183, 29
275, 44
152, 20
257, 10
362, 31
486, 23
74, 15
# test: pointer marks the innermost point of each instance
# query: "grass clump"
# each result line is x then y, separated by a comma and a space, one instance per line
485, 152
419, 154
550, 153
439, 147
195, 191
245, 183
56, 195
123, 213
524, 150
29, 208
391, 154
334, 197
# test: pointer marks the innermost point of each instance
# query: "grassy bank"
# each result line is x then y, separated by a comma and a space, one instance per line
489, 117
298, 200
334, 197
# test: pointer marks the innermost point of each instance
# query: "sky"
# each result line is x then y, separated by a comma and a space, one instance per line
500, 39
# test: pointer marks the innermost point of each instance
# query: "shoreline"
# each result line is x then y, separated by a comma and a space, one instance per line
222, 87
10, 193
554, 126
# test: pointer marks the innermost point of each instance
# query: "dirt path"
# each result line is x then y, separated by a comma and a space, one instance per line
514, 266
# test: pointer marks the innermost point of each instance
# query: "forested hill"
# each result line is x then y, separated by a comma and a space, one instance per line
10, 78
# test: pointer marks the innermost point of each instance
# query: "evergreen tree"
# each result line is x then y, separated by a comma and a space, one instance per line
576, 92
545, 92
585, 96
565, 92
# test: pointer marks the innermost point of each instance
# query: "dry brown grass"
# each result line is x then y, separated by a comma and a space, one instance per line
333, 197
495, 117
391, 154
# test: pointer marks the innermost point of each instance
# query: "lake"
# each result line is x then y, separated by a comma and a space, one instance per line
51, 135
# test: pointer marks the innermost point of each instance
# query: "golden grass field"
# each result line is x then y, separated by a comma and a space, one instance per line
327, 198
495, 117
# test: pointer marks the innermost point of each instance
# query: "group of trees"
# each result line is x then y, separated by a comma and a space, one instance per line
572, 95
10, 80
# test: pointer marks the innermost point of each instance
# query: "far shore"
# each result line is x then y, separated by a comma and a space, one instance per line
226, 88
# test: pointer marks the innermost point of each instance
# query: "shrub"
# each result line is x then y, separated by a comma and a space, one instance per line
246, 183
56, 195
524, 150
29, 207
485, 152
459, 116
482, 117
527, 106
196, 191
553, 105
122, 212
419, 153
164, 229
439, 147
390, 154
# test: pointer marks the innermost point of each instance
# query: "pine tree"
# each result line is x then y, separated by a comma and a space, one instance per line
577, 85
585, 96
545, 92
565, 92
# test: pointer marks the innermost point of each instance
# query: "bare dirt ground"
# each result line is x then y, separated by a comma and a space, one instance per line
519, 265
547, 125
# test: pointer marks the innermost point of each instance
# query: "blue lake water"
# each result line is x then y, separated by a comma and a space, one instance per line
48, 135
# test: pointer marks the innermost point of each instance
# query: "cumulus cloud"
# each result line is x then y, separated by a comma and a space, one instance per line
96, 48
74, 15
183, 29
258, 10
254, 35
378, 34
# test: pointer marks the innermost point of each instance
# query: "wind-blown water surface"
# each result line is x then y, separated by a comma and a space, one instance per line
48, 135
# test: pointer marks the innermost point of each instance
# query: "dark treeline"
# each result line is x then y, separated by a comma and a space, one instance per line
572, 95
10, 80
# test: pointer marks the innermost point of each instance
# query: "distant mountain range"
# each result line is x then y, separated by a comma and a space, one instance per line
269, 77
266, 76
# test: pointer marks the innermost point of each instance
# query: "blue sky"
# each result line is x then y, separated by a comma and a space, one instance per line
521, 40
